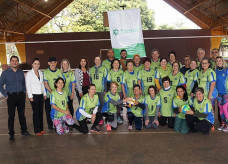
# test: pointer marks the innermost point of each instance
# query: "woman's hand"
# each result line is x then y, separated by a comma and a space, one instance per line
159, 114
67, 112
45, 97
156, 121
81, 94
147, 122
136, 103
31, 99
190, 112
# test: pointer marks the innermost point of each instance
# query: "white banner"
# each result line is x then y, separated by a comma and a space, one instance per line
126, 32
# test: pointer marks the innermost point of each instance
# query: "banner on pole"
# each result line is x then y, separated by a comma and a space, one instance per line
126, 32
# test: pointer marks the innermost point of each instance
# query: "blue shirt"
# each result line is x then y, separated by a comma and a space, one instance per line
222, 81
14, 81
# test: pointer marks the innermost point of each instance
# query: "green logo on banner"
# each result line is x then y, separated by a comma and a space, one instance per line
115, 32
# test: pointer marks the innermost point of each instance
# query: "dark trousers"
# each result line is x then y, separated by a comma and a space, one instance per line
83, 128
37, 107
13, 101
138, 120
196, 125
163, 121
48, 111
84, 91
70, 106
108, 117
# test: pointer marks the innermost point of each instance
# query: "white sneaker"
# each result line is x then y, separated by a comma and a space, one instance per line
130, 127
221, 128
225, 129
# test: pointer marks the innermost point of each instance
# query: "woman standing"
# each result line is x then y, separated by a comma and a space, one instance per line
176, 77
161, 72
172, 59
82, 75
222, 87
36, 94
69, 83
191, 77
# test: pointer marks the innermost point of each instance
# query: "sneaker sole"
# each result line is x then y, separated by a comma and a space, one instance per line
94, 131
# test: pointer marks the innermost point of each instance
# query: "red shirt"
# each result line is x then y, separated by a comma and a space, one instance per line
85, 79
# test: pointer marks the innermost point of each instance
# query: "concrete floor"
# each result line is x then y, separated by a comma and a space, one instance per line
121, 146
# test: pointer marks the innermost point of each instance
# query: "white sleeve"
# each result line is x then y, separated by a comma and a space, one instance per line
95, 110
84, 113
28, 79
42, 84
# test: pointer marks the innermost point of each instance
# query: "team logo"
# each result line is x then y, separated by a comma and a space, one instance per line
170, 95
223, 74
115, 32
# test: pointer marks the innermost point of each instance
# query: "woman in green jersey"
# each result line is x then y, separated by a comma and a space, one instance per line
176, 77
152, 107
70, 83
88, 108
115, 75
111, 101
191, 77
60, 113
180, 124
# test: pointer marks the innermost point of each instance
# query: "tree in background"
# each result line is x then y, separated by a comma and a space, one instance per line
87, 16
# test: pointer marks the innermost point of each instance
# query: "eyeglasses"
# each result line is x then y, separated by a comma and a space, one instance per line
205, 63
214, 52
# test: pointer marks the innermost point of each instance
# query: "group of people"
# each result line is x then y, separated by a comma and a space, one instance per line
155, 92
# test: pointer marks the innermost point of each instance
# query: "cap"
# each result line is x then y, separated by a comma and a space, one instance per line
52, 59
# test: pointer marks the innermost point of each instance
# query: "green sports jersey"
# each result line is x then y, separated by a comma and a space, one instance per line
109, 107
146, 79
69, 79
205, 79
166, 102
115, 76
171, 66
152, 104
204, 107
136, 110
129, 79
107, 64
50, 76
160, 73
138, 68
177, 103
176, 80
191, 77
98, 77
60, 100
87, 104
213, 64
155, 65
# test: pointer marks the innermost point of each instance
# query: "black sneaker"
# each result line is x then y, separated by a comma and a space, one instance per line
25, 133
95, 130
11, 138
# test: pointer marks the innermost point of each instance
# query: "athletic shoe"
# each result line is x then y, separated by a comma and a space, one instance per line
130, 127
95, 130
225, 129
101, 122
119, 120
42, 132
109, 129
222, 127
38, 134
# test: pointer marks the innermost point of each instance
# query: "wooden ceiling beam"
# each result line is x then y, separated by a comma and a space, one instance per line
32, 8
195, 6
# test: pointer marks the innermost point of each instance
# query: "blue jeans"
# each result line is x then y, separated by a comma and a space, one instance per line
138, 120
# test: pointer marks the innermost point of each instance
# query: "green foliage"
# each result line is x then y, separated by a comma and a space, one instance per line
87, 16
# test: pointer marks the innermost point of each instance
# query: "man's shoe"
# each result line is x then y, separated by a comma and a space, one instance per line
11, 138
95, 130
119, 120
25, 133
